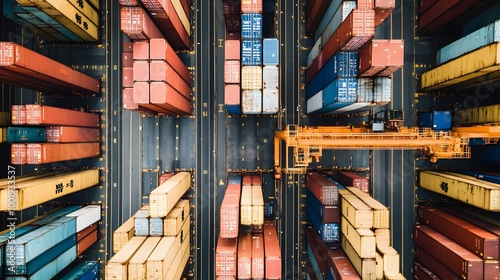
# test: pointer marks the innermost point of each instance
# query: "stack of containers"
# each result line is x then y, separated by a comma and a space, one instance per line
251, 57
354, 180
232, 76
232, 17
270, 74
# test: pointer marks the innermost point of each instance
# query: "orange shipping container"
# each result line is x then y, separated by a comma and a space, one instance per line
46, 115
245, 256
161, 71
18, 154
128, 77
54, 152
257, 256
86, 231
18, 114
140, 50
68, 134
86, 242
141, 92
232, 50
162, 93
232, 94
251, 6
232, 71
160, 49
141, 71
137, 24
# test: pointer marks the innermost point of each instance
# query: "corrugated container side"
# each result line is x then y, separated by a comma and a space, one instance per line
327, 214
225, 257
251, 52
137, 25
346, 7
163, 95
319, 252
86, 242
56, 265
257, 256
251, 78
317, 11
87, 270
373, 57
25, 134
251, 6
270, 101
422, 273
232, 48
54, 152
354, 180
382, 91
229, 216
251, 26
165, 197
141, 222
314, 52
340, 267
160, 49
18, 114
315, 103
349, 108
396, 57
270, 51
86, 216
232, 71
86, 231
251, 101
477, 115
270, 78
434, 265
365, 90
325, 190
161, 71
272, 252
245, 256
232, 95
357, 29
232, 7
68, 134
46, 115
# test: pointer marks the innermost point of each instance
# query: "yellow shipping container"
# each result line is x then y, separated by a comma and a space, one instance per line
179, 10
251, 77
165, 197
362, 240
123, 234
478, 115
137, 265
116, 268
367, 268
469, 66
355, 211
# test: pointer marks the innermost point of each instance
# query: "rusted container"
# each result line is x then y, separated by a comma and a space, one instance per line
164, 177
128, 99
171, 99
86, 242
46, 115
480, 242
434, 265
245, 256
455, 257
141, 92
272, 252
18, 115
257, 256
232, 49
18, 154
317, 11
141, 71
161, 71
373, 58
251, 6
140, 50
354, 180
127, 77
86, 231
340, 267
68, 134
232, 71
229, 216
357, 29
396, 58
54, 152
33, 69
442, 13
137, 24
326, 191
164, 14
160, 49
251, 102
225, 257
422, 273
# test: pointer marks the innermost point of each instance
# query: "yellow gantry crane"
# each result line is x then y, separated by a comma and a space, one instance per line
308, 143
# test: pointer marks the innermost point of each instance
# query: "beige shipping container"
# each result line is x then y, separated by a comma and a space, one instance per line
391, 259
478, 115
162, 257
246, 205
383, 237
257, 206
137, 265
116, 268
366, 268
362, 240
177, 263
251, 102
482, 194
176, 218
165, 197
179, 10
381, 215
379, 267
251, 77
123, 234
464, 68
355, 211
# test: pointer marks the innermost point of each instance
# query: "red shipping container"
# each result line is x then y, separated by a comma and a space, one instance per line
18, 114
491, 269
229, 216
245, 256
319, 250
31, 68
129, 3
232, 71
86, 231
309, 6
479, 241
187, 8
128, 77
18, 154
326, 191
381, 15
141, 50
86, 242
46, 115
232, 94
137, 24
141, 71
232, 50
163, 94
141, 92
164, 177
233, 35
160, 71
127, 60
357, 29
247, 180
422, 273
433, 264
365, 4
384, 4
257, 256
443, 13
128, 99
373, 58
160, 49
426, 4
54, 152
257, 229
68, 134
251, 6
455, 257
313, 69
317, 12
396, 57
128, 47
256, 180
272, 252
168, 20
354, 180
225, 257
233, 22
331, 214
340, 267
231, 7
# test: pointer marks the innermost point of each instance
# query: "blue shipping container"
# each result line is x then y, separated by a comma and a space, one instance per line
270, 51
473, 41
437, 120
329, 232
338, 94
342, 64
88, 270
486, 153
234, 109
53, 23
483, 176
4, 238
331, 22
314, 263
156, 227
56, 215
314, 205
251, 26
251, 52
268, 210
17, 134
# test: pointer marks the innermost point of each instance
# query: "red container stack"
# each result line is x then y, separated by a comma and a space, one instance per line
340, 267
350, 179
232, 71
325, 190
257, 256
230, 212
225, 257
272, 252
245, 256
315, 10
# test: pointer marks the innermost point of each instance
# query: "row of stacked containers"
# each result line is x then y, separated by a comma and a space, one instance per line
347, 70
251, 62
154, 78
248, 245
456, 237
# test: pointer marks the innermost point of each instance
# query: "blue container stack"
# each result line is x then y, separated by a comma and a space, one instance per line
251, 52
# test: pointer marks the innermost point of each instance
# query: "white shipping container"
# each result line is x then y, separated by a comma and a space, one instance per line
314, 52
270, 101
251, 77
350, 108
86, 216
365, 90
270, 76
341, 14
315, 103
382, 90
251, 102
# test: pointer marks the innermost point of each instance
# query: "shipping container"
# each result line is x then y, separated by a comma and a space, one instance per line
325, 190
156, 227
270, 51
179, 262
166, 196
480, 242
257, 256
381, 214
233, 23
477, 115
434, 265
165, 96
160, 49
251, 79
326, 213
55, 152
396, 58
137, 24
86, 242
230, 212
128, 77
71, 134
251, 102
137, 264
232, 98
437, 120
365, 267
141, 222
356, 211
86, 231
225, 257
314, 13
338, 94
251, 26
257, 205
141, 71
162, 257
245, 256
176, 218
362, 240
232, 71
251, 6
46, 115
340, 267
316, 252
232, 48
329, 25
422, 273
25, 134
251, 52
455, 257
123, 234
232, 7
373, 57
329, 232
86, 216
270, 101
270, 78
365, 90
86, 270
314, 52
382, 90
116, 267
272, 252
354, 180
